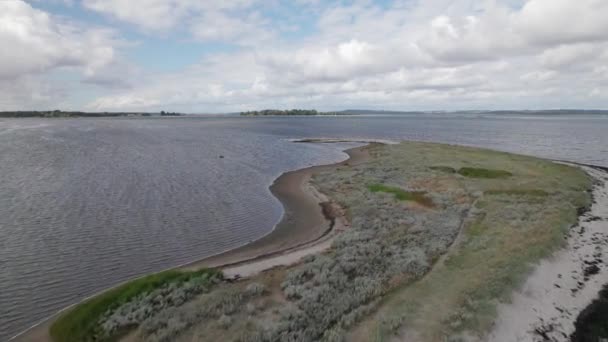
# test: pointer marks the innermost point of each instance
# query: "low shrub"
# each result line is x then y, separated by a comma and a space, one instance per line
403, 195
474, 172
217, 305
224, 321
518, 192
331, 292
82, 322
146, 305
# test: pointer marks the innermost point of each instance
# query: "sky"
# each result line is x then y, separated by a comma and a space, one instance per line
203, 56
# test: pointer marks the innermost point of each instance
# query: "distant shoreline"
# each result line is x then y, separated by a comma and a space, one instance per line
78, 114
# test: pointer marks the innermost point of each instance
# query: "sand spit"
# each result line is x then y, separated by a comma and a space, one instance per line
303, 230
559, 288
335, 140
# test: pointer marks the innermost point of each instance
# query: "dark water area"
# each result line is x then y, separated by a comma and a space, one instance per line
592, 323
88, 203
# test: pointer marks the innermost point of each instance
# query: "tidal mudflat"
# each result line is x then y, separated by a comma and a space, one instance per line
437, 236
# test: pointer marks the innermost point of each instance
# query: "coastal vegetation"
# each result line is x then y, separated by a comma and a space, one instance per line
516, 218
85, 321
473, 172
402, 195
438, 236
76, 114
477, 172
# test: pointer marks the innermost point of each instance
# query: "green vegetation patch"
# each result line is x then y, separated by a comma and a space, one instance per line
474, 172
436, 273
446, 169
403, 195
81, 323
517, 218
518, 192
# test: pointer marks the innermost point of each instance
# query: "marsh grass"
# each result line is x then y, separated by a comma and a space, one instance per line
403, 195
477, 172
518, 192
81, 323
519, 217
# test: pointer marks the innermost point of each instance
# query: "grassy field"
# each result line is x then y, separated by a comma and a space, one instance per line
439, 235
402, 195
521, 212
82, 322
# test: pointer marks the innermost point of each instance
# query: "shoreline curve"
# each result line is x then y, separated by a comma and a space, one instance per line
294, 233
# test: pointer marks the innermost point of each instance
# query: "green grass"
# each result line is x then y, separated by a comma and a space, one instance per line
402, 195
81, 323
518, 192
474, 172
521, 216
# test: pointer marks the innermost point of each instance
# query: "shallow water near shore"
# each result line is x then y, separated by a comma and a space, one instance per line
87, 203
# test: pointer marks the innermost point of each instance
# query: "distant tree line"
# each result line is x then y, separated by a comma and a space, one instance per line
163, 113
75, 114
288, 112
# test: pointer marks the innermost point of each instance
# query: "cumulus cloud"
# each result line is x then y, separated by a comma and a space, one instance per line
499, 31
206, 20
35, 42
435, 54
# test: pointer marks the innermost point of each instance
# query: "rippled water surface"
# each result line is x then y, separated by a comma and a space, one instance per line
87, 203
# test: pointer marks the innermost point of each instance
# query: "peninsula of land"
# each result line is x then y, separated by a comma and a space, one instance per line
405, 242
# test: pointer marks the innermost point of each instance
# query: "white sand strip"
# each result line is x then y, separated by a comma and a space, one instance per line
547, 305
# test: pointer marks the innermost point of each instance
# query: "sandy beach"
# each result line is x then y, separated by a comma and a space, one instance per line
304, 224
559, 288
309, 223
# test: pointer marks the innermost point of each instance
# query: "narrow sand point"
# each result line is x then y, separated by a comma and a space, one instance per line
303, 227
560, 287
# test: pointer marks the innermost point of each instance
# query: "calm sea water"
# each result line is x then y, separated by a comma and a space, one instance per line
88, 203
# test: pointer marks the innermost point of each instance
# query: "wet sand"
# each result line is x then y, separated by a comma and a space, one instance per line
303, 223
308, 226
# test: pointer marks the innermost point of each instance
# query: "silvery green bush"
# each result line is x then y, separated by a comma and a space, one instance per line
148, 304
219, 305
387, 240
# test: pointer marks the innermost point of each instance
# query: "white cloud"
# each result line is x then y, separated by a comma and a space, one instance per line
550, 22
35, 42
149, 14
499, 31
229, 21
434, 54
220, 26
